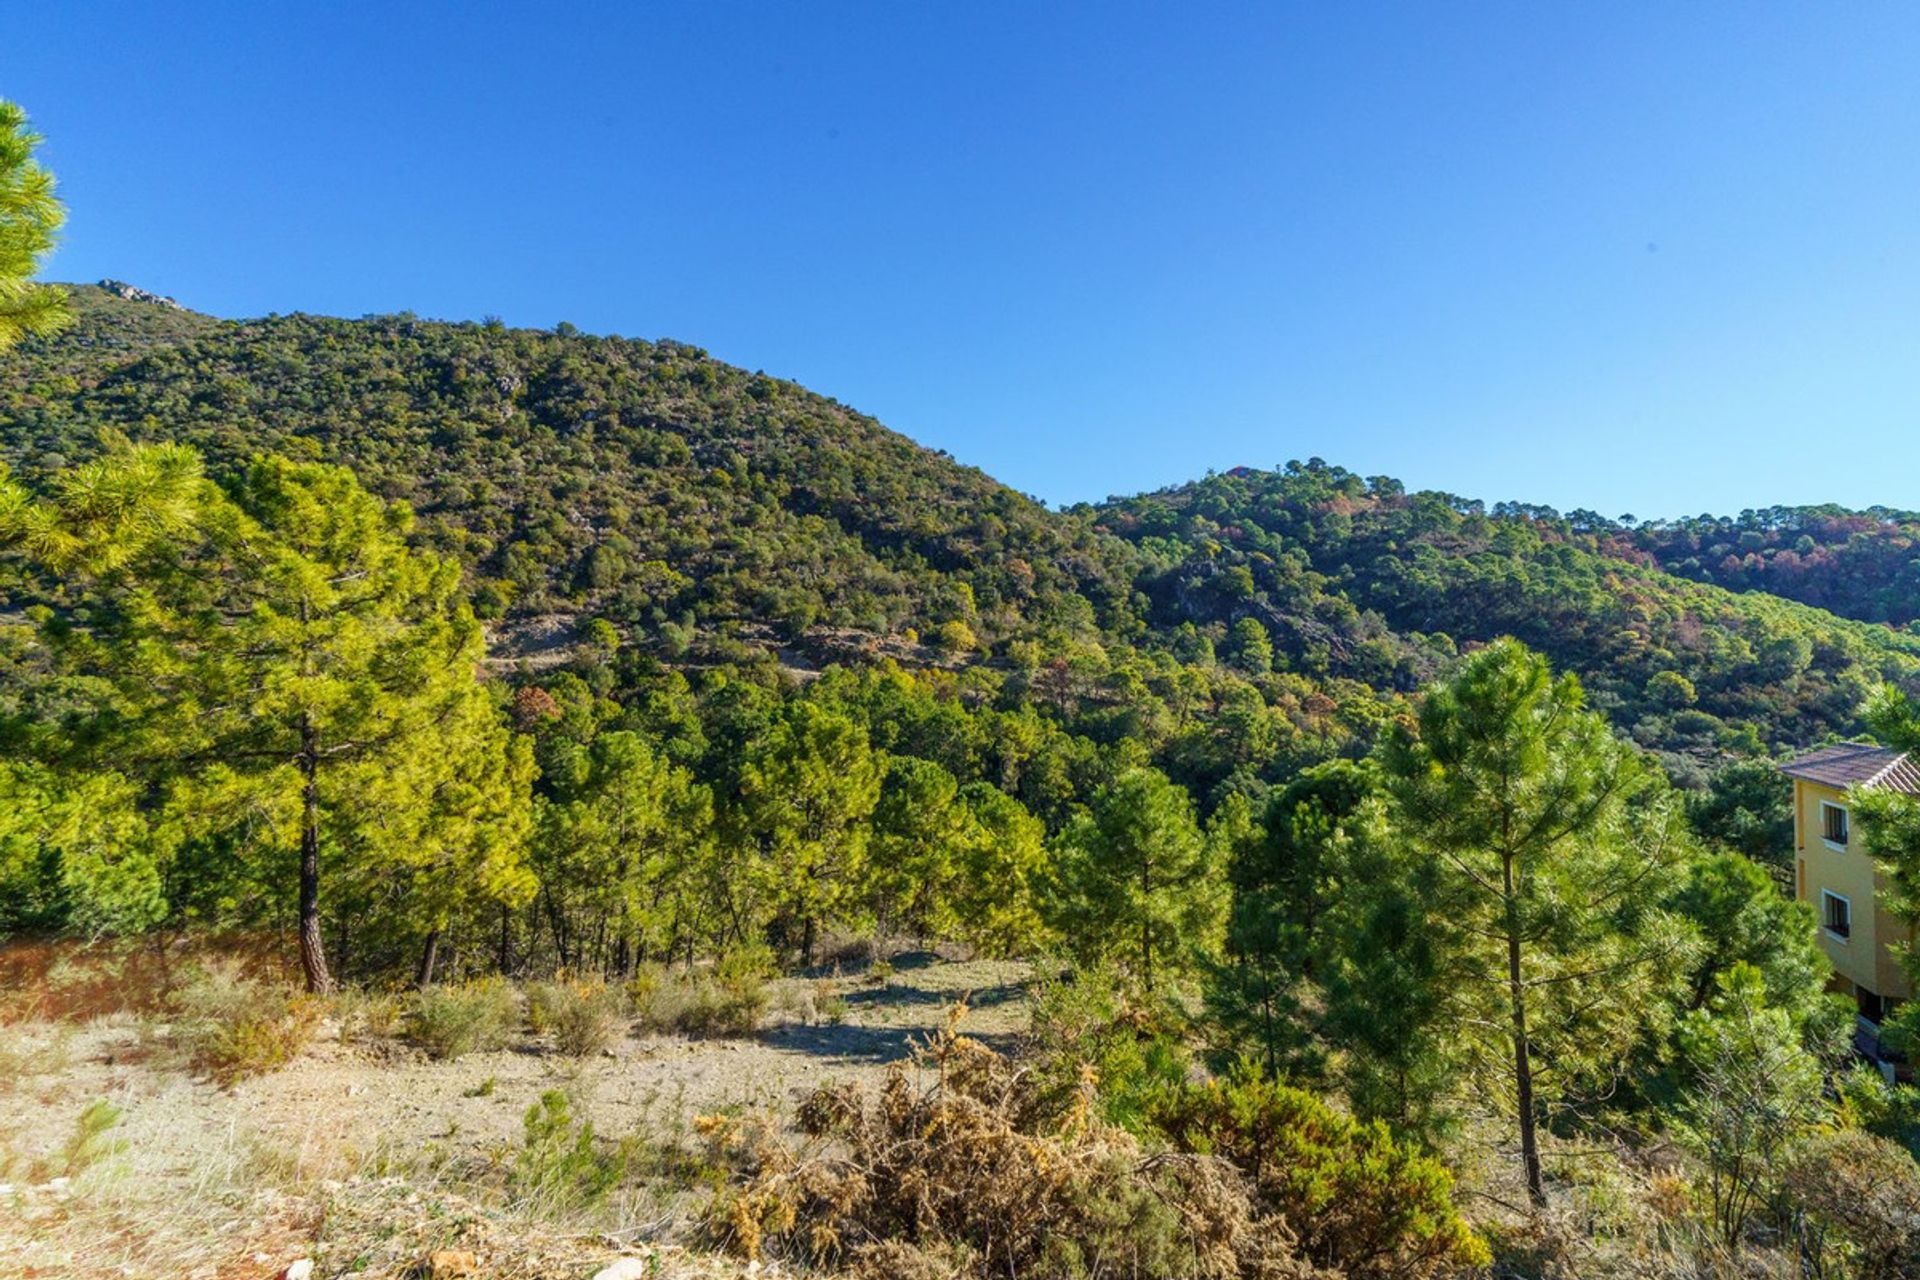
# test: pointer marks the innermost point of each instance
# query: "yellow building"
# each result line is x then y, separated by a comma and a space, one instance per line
1834, 871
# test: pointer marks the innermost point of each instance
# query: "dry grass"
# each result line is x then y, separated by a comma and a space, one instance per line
231, 1026
362, 1152
581, 1015
75, 981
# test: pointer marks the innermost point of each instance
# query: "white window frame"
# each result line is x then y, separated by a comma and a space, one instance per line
1825, 915
1846, 821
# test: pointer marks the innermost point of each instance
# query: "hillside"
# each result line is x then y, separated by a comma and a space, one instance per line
1859, 564
640, 480
1359, 575
779, 714
715, 514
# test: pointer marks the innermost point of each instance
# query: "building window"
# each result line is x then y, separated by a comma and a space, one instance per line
1833, 823
1838, 913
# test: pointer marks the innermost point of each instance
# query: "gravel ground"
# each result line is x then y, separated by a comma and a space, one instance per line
211, 1182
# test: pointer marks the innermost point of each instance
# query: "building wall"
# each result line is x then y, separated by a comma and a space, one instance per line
1863, 957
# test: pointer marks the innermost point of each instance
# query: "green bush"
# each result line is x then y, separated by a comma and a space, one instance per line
1358, 1203
582, 1016
1094, 1020
231, 1026
450, 1021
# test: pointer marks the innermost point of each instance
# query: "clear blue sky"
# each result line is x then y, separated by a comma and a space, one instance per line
1652, 258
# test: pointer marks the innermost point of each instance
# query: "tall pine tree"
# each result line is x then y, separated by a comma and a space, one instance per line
1549, 872
273, 659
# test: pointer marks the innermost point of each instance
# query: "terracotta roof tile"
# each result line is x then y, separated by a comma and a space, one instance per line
1857, 764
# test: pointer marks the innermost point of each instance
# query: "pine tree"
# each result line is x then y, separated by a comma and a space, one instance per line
275, 660
1548, 871
918, 827
1287, 871
616, 850
1890, 822
1002, 854
807, 788
30, 217
1137, 880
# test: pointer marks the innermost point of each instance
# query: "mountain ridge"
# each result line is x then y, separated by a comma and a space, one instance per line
719, 516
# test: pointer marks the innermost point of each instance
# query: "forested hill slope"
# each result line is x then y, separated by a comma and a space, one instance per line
1352, 571
638, 479
711, 513
1860, 564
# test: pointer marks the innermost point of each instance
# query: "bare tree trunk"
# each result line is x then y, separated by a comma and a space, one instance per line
423, 976
1522, 1056
313, 947
557, 924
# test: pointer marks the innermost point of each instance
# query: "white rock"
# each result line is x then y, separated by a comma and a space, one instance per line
624, 1269
300, 1270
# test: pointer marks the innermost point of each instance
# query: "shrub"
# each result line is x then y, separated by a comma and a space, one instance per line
558, 1168
1094, 1021
728, 1000
581, 1016
1358, 1202
232, 1026
454, 1020
367, 1015
969, 1175
955, 639
1866, 1191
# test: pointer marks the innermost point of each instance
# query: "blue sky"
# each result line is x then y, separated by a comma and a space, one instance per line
1659, 259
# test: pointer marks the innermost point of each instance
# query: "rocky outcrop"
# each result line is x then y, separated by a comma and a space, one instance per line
134, 293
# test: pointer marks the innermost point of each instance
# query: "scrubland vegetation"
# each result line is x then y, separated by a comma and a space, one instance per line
408, 725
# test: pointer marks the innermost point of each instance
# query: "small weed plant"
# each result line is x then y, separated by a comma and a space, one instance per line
559, 1169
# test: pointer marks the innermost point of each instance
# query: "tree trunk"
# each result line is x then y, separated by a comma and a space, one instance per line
423, 976
313, 948
1522, 1057
1146, 923
557, 924
806, 943
505, 959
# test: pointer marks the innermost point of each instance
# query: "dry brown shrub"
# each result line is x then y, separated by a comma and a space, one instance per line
954, 1168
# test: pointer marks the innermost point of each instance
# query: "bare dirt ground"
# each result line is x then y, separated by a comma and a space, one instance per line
368, 1157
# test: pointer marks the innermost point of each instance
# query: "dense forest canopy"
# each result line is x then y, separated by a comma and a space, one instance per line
715, 516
